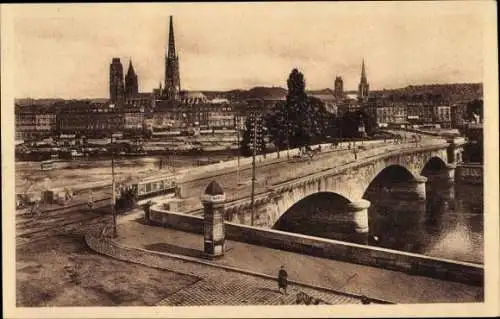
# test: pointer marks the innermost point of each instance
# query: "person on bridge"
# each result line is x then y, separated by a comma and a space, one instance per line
282, 279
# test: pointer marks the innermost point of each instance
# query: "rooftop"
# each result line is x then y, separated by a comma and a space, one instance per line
214, 189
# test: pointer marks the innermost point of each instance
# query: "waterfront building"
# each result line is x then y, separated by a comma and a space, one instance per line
116, 87
133, 118
93, 119
442, 116
34, 122
221, 116
194, 112
391, 115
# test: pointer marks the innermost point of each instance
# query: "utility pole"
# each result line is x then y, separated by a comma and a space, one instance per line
253, 165
237, 127
113, 191
287, 135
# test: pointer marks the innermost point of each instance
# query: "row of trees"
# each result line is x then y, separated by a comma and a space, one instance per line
301, 120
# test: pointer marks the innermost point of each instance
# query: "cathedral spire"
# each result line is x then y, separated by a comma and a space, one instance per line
363, 72
131, 81
131, 71
363, 83
172, 76
171, 40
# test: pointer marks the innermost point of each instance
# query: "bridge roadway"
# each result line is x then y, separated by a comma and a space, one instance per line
272, 173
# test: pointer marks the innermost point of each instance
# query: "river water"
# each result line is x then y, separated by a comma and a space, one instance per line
448, 224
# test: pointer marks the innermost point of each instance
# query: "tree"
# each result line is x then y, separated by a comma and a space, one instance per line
300, 120
474, 107
275, 121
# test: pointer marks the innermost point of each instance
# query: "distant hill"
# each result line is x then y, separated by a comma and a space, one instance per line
320, 92
258, 92
451, 93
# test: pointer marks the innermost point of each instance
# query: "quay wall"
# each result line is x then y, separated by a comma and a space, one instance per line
469, 173
414, 264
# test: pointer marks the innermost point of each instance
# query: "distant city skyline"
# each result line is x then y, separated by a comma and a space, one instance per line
64, 51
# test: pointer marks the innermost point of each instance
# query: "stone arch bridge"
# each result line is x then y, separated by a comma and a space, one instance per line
405, 172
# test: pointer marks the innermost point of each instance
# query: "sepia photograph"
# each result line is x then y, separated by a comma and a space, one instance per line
167, 159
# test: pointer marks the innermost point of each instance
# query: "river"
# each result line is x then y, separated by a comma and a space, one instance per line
448, 224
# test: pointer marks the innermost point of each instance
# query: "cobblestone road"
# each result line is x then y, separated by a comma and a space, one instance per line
246, 290
217, 286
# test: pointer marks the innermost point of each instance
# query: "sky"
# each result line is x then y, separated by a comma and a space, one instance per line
65, 50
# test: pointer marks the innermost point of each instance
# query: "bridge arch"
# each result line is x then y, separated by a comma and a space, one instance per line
323, 214
434, 165
389, 176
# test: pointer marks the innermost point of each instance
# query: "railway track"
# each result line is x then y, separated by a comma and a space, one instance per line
64, 220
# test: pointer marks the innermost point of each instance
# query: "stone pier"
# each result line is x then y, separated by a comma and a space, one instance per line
413, 189
358, 212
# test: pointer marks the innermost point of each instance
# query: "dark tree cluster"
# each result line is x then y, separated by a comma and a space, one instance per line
348, 125
474, 107
302, 120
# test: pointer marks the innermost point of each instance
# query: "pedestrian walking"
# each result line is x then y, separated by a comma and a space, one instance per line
282, 279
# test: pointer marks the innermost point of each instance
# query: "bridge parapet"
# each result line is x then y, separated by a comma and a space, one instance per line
350, 179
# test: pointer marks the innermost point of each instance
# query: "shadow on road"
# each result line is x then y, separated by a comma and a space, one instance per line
173, 249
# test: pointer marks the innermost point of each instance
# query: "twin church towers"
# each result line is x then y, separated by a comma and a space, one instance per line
363, 87
120, 90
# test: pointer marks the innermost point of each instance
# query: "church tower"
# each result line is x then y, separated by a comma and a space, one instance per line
363, 84
172, 78
131, 82
116, 90
338, 90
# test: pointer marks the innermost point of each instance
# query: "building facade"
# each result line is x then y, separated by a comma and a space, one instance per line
90, 119
442, 116
34, 122
458, 115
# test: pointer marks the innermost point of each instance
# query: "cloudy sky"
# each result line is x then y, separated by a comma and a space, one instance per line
65, 50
